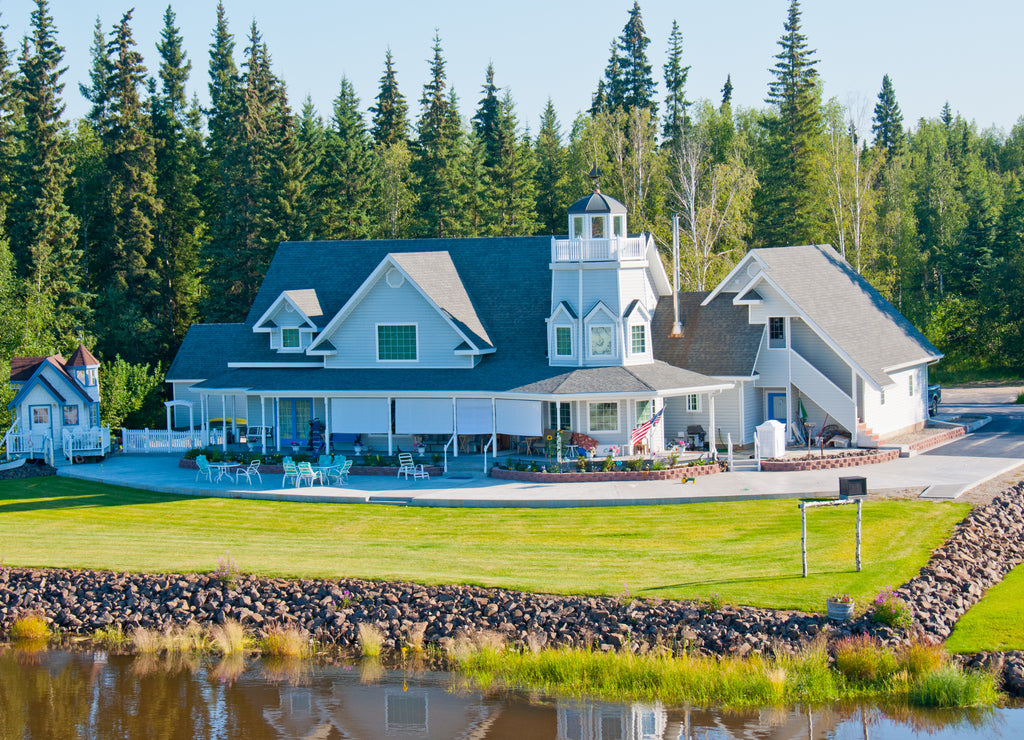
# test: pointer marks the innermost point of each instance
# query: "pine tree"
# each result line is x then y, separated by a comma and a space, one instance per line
124, 270
888, 121
675, 89
41, 229
485, 122
611, 89
311, 140
223, 87
97, 91
726, 93
7, 125
391, 113
179, 228
510, 196
638, 87
342, 210
438, 148
787, 205
946, 115
550, 177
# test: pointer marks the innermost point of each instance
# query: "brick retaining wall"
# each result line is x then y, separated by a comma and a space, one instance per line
598, 477
777, 466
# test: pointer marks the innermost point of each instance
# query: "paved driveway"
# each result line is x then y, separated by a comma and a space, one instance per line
1002, 437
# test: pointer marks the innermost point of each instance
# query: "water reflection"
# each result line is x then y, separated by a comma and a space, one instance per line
98, 696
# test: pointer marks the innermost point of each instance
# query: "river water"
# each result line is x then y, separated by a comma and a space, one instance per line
53, 695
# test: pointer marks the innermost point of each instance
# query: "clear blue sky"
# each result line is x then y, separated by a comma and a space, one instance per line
969, 54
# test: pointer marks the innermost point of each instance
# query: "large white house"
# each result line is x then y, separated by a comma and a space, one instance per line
504, 338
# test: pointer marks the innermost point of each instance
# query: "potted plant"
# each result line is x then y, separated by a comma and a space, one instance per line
357, 446
840, 607
418, 447
295, 446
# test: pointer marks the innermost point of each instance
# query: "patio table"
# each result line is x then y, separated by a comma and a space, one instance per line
223, 469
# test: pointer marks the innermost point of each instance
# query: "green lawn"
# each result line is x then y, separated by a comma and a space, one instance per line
994, 623
748, 552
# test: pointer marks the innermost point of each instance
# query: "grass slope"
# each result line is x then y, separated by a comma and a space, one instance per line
994, 623
748, 552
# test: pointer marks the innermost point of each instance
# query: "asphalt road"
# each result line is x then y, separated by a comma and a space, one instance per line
1002, 437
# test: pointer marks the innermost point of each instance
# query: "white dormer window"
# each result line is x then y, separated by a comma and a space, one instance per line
290, 339
638, 339
602, 341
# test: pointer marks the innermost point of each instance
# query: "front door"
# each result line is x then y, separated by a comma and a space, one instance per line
293, 420
39, 425
777, 407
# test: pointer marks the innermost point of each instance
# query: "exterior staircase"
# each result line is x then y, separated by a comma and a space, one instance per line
866, 437
744, 464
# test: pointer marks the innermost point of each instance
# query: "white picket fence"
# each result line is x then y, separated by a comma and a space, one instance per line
160, 440
82, 442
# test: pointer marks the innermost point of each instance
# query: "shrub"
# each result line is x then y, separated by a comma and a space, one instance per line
111, 637
890, 609
608, 465
860, 658
227, 571
284, 642
371, 639
635, 463
29, 628
146, 641
714, 602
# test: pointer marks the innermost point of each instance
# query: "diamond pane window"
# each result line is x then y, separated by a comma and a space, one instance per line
396, 342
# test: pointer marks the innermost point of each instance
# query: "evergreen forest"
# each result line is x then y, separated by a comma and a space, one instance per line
121, 229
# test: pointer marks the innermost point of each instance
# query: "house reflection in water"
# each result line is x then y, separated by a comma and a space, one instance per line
601, 721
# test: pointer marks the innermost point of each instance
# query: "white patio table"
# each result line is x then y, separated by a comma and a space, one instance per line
224, 468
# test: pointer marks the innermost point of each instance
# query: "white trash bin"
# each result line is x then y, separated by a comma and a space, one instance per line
771, 439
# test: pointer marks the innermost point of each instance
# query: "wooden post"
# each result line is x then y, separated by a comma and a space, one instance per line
803, 535
859, 502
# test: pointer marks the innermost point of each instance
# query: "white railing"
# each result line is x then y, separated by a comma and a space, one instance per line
830, 397
92, 441
28, 445
159, 440
599, 250
757, 452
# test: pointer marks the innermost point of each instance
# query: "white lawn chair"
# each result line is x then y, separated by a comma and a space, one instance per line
407, 467
307, 474
204, 468
249, 472
290, 471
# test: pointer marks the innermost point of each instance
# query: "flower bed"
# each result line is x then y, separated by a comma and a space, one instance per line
434, 470
576, 476
935, 439
836, 461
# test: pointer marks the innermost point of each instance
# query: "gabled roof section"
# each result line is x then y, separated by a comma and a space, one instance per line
845, 310
304, 302
434, 275
567, 308
56, 362
636, 307
82, 358
717, 338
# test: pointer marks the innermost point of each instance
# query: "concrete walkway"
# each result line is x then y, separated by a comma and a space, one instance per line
465, 484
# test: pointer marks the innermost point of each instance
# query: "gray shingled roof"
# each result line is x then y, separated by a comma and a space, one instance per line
509, 286
717, 339
847, 309
306, 301
436, 275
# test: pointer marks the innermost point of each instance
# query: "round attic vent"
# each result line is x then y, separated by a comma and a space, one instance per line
394, 278
753, 269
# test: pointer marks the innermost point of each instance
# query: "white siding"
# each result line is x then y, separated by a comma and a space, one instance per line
753, 411
727, 416
601, 285
565, 287
356, 337
901, 410
774, 305
819, 354
772, 365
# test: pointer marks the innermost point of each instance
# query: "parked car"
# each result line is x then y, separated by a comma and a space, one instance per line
934, 397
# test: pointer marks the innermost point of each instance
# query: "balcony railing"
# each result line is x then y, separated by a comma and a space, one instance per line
615, 249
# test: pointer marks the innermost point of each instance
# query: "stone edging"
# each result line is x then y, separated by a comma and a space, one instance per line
694, 471
777, 466
434, 470
937, 439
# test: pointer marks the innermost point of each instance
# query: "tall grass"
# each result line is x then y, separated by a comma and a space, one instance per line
29, 628
863, 670
229, 638
371, 640
284, 642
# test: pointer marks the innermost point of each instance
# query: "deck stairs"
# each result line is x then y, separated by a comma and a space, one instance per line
866, 437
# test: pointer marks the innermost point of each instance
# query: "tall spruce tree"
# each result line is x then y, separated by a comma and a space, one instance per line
179, 228
787, 205
7, 123
888, 120
124, 270
439, 143
391, 113
611, 89
485, 122
675, 90
638, 86
41, 228
726, 93
510, 198
342, 210
97, 91
550, 177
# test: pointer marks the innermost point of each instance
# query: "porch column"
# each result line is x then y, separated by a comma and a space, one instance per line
327, 425
224, 420
391, 425
711, 422
167, 408
277, 422
234, 418
263, 426
455, 426
191, 427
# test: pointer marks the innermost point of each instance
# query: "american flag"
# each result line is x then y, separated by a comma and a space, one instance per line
637, 436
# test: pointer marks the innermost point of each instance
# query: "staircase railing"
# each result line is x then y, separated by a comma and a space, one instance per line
836, 402
92, 441
7, 435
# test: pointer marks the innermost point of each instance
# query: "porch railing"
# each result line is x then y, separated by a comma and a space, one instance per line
92, 441
26, 444
598, 250
160, 440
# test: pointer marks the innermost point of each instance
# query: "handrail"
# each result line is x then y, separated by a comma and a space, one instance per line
599, 250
